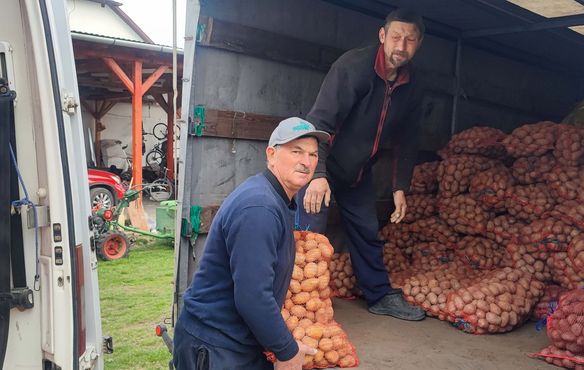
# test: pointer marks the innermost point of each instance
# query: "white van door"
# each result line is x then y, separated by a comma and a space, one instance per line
49, 299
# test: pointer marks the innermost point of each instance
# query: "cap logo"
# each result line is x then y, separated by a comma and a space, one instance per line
301, 127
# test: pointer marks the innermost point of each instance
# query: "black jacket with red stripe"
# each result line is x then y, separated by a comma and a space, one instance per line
361, 110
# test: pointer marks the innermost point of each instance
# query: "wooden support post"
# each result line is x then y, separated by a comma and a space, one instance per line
137, 88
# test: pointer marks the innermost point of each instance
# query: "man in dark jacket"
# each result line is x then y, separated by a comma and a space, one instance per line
370, 96
232, 309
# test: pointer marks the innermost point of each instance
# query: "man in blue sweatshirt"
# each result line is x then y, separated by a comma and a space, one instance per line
231, 311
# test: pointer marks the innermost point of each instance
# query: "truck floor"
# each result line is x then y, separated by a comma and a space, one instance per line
386, 343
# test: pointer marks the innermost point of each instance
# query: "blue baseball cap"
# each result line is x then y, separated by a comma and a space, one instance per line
294, 128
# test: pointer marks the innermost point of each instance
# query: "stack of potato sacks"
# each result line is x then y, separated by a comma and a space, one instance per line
308, 310
489, 227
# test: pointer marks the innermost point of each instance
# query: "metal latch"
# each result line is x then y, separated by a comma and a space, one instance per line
108, 345
20, 298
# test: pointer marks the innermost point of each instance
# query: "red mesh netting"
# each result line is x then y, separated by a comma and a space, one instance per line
490, 187
565, 327
565, 182
424, 178
455, 173
569, 148
480, 253
503, 229
484, 141
531, 139
531, 170
308, 309
464, 214
529, 202
498, 302
420, 206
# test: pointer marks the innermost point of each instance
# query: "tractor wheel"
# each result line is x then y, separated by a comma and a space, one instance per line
113, 245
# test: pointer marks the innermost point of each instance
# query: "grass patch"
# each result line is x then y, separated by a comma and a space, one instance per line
136, 295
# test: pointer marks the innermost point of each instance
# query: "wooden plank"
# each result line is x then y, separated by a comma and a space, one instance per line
264, 44
239, 125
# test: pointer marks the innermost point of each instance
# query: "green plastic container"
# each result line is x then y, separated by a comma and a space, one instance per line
165, 216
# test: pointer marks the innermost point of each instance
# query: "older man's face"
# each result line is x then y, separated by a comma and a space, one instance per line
294, 163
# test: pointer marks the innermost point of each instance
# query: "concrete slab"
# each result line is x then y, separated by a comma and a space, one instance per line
387, 343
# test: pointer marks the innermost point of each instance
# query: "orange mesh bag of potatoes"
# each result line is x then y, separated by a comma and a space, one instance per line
503, 229
308, 309
424, 178
565, 182
548, 234
420, 206
485, 141
570, 212
433, 229
569, 147
549, 302
531, 140
561, 358
576, 253
531, 259
531, 170
480, 253
565, 327
455, 173
529, 202
427, 255
400, 235
498, 302
490, 187
430, 289
464, 214
394, 259
343, 281
563, 271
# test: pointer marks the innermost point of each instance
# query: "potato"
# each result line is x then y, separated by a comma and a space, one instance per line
298, 333
301, 298
308, 285
332, 357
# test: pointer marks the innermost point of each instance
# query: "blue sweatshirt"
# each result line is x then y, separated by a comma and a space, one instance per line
236, 296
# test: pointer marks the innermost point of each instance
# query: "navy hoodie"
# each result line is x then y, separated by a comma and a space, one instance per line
236, 296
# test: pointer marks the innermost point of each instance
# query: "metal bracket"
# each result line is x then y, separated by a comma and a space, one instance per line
87, 360
197, 125
69, 104
43, 217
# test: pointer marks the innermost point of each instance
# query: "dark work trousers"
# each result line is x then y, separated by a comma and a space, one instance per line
191, 353
359, 220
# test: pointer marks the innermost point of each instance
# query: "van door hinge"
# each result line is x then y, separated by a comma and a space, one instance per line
69, 105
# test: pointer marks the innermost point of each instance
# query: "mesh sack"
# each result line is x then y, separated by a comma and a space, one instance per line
424, 178
464, 214
503, 229
529, 202
566, 359
548, 234
565, 327
484, 141
455, 173
308, 310
490, 187
531, 170
500, 301
569, 148
420, 206
434, 229
480, 253
565, 182
531, 140
343, 282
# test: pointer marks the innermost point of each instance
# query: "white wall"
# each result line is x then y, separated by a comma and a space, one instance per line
118, 124
90, 17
